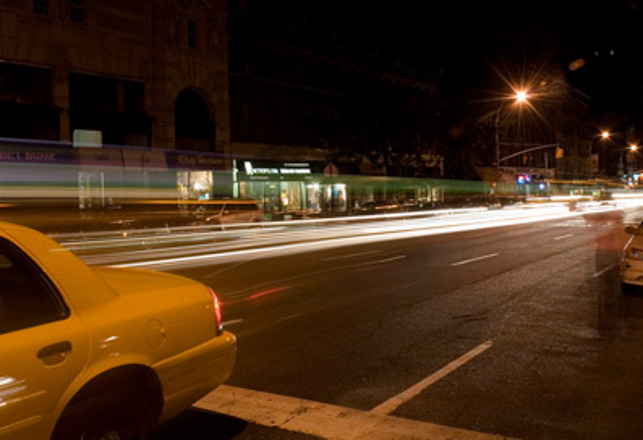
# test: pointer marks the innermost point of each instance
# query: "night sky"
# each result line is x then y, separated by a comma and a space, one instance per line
463, 42
470, 49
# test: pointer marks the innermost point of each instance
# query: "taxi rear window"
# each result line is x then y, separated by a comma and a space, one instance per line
27, 296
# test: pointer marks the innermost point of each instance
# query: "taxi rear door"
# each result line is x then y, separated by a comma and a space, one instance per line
43, 346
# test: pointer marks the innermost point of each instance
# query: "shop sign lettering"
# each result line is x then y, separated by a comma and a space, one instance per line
194, 161
27, 156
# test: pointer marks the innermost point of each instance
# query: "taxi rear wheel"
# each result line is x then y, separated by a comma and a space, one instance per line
120, 416
628, 289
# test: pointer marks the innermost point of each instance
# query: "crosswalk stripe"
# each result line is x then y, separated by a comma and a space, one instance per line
325, 420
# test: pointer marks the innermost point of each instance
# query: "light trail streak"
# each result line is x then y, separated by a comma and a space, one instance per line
301, 235
338, 237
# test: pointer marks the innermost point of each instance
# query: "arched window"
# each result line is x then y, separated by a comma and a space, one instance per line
194, 127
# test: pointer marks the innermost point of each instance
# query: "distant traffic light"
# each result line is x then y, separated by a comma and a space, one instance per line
559, 153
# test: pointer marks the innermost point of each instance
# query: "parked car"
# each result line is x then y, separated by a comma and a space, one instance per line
632, 260
100, 353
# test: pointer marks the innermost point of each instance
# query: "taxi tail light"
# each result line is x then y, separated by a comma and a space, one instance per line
216, 306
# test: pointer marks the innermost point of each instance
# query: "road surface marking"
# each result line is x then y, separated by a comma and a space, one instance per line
604, 270
325, 420
396, 401
339, 257
368, 265
472, 260
562, 237
385, 260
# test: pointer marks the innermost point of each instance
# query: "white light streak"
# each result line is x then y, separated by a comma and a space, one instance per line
194, 248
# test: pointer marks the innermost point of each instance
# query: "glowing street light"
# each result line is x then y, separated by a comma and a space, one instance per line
630, 149
604, 136
520, 97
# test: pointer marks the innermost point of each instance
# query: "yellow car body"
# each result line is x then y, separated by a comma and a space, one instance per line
122, 333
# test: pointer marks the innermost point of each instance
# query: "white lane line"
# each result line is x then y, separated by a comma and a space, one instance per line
359, 254
604, 270
384, 260
472, 260
231, 322
325, 420
396, 401
562, 237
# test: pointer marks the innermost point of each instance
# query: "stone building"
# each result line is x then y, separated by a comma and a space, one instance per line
144, 73
295, 100
119, 75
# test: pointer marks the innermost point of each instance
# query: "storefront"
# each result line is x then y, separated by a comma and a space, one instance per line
199, 176
285, 190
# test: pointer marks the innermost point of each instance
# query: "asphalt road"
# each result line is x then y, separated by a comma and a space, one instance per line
544, 343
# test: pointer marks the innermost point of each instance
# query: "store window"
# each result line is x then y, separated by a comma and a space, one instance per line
335, 198
194, 185
314, 197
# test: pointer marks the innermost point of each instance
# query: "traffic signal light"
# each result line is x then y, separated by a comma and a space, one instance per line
559, 153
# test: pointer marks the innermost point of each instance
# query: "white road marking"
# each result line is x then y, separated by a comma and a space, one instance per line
325, 420
396, 401
339, 257
472, 260
604, 270
231, 322
562, 237
384, 260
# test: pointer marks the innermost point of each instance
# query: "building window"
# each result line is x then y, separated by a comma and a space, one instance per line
191, 33
41, 7
77, 11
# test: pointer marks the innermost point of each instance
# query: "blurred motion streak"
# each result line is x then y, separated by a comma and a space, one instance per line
306, 240
257, 295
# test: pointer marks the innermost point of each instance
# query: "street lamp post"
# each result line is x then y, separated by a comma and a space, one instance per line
497, 127
518, 97
631, 148
604, 135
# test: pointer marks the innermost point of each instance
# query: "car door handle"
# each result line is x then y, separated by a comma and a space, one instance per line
54, 349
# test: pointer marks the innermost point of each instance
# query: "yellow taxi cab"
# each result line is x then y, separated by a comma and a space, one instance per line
100, 353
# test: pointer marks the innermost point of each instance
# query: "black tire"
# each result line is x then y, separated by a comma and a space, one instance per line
117, 416
628, 289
